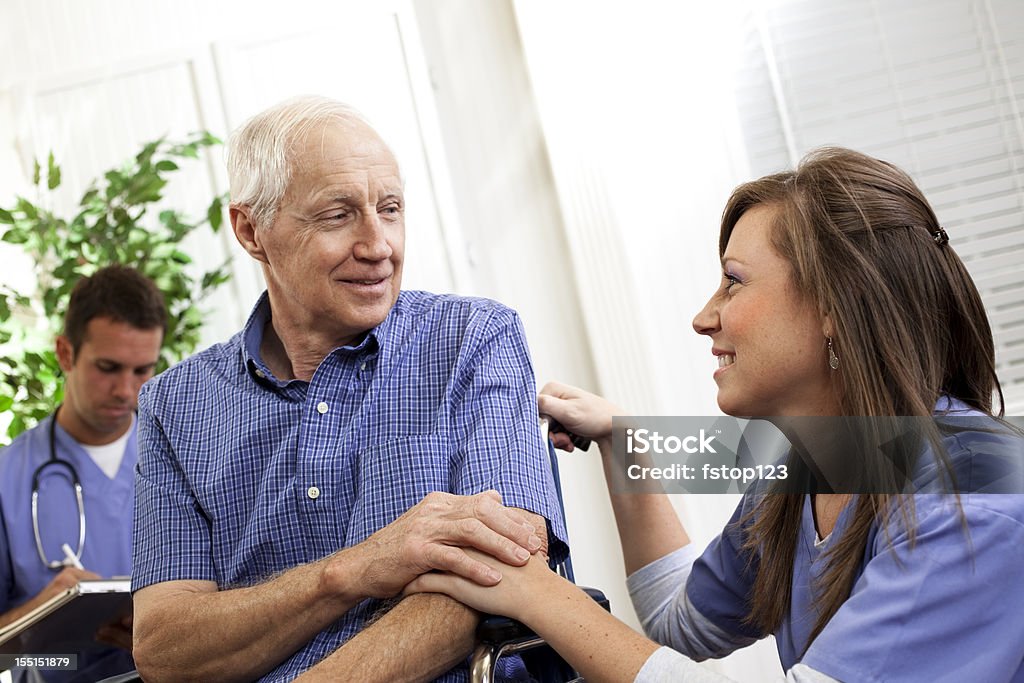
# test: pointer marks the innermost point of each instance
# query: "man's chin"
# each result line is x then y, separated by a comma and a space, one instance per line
363, 317
112, 426
373, 308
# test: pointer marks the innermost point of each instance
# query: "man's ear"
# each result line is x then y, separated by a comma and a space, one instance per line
65, 354
248, 236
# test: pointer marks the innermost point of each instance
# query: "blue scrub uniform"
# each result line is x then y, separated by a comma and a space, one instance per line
108, 507
942, 606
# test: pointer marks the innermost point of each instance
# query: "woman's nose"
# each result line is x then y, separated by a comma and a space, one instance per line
707, 321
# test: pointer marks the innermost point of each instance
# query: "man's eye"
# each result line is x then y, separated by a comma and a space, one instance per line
392, 209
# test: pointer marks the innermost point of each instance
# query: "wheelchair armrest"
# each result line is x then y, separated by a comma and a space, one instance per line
498, 630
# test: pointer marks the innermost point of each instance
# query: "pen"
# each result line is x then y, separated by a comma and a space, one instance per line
70, 558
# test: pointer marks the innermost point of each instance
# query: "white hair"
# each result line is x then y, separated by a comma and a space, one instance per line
259, 152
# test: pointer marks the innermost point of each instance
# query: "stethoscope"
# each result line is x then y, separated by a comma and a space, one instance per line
54, 461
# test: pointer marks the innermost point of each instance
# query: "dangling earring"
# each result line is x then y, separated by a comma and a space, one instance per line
833, 359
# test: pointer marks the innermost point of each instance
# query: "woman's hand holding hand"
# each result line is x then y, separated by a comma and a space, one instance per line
512, 596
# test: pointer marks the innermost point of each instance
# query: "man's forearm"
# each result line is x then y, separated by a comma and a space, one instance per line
418, 640
237, 634
421, 638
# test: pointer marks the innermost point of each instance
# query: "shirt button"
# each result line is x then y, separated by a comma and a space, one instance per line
261, 374
313, 492
321, 407
363, 366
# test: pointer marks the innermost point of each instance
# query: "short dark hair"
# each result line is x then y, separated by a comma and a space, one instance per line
120, 293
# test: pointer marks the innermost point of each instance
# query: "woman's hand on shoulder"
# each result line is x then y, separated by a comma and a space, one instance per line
579, 411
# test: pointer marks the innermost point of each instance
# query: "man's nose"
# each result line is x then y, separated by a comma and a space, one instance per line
125, 386
371, 241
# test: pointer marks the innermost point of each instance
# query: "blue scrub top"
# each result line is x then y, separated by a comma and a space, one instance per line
108, 507
945, 605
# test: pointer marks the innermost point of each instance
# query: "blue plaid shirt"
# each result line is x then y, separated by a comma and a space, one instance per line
242, 476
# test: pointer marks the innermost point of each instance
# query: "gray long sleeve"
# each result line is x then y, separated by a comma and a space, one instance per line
658, 592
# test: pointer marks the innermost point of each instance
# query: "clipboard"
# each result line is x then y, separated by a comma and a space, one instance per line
67, 623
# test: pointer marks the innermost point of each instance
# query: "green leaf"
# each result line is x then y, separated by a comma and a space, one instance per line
77, 229
163, 251
166, 165
115, 183
66, 271
215, 278
15, 236
50, 299
143, 157
101, 230
121, 217
16, 427
28, 208
6, 217
215, 214
52, 173
46, 376
145, 189
205, 138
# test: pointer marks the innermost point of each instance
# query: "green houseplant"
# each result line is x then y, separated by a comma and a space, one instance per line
116, 221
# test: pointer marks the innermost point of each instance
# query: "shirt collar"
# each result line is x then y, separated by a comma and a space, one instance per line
252, 337
947, 405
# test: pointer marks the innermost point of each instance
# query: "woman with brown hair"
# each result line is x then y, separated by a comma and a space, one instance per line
840, 296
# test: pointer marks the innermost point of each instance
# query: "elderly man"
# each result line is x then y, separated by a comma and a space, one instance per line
351, 437
113, 328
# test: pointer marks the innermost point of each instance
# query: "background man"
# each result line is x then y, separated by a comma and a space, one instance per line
287, 475
113, 329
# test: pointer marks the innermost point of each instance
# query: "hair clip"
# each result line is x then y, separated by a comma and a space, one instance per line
940, 236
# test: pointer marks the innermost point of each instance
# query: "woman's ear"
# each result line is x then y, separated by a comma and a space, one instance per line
827, 329
246, 232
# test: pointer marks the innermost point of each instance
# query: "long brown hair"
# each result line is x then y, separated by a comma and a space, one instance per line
907, 323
